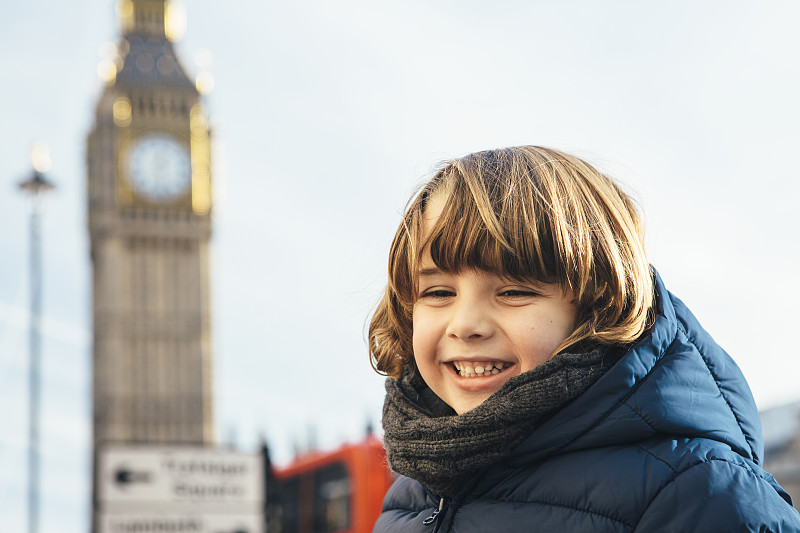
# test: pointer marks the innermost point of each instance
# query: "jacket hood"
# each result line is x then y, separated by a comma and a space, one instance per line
675, 381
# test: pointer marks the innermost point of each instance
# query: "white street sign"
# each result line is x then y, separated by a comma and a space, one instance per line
208, 477
180, 523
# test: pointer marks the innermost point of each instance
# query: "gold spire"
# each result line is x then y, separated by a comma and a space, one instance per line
156, 18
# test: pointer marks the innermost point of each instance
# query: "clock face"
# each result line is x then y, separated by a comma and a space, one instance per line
159, 167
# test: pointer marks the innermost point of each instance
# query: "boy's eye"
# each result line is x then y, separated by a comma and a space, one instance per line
437, 293
518, 293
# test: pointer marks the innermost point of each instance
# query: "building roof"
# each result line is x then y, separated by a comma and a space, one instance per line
780, 426
151, 61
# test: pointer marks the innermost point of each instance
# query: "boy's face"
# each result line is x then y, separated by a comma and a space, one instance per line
474, 330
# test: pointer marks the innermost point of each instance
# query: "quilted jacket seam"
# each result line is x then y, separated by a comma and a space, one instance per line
563, 506
654, 456
689, 468
638, 414
719, 388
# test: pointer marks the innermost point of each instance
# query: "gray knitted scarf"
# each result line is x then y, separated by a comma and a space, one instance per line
427, 441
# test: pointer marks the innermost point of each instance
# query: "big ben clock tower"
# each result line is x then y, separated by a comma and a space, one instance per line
149, 211
149, 206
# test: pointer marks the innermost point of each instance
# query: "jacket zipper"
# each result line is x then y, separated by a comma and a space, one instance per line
432, 518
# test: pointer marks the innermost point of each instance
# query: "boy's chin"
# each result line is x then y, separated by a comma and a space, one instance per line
464, 405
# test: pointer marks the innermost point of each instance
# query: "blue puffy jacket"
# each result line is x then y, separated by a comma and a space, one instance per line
669, 439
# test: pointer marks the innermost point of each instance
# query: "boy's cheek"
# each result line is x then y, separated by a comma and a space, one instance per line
417, 329
423, 337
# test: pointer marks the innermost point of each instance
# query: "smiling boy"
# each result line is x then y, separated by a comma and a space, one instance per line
540, 375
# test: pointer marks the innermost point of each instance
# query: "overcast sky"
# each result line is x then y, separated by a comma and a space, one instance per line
327, 115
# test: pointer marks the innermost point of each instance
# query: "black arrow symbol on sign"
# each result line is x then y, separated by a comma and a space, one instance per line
123, 476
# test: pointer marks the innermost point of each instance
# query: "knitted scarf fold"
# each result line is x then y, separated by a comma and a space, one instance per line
427, 441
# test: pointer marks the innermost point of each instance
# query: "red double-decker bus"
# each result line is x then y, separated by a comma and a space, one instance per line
329, 492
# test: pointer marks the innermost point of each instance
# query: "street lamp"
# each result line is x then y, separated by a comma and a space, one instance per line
35, 186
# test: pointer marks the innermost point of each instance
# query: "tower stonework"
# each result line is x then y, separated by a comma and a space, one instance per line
149, 217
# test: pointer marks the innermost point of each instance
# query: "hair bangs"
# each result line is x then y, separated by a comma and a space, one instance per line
483, 228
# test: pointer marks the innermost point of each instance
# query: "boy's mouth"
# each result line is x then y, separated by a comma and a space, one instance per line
477, 369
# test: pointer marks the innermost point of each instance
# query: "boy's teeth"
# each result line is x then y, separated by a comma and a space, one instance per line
483, 368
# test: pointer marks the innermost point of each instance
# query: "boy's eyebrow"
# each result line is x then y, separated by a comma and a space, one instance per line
430, 271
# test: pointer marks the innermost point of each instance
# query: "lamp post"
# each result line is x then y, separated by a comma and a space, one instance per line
35, 186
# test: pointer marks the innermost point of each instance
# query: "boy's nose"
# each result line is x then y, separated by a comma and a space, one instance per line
469, 321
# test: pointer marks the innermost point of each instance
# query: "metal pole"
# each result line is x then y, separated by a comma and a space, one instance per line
34, 186
35, 361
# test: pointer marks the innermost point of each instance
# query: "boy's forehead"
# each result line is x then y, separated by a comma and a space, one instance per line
428, 269
435, 205
433, 210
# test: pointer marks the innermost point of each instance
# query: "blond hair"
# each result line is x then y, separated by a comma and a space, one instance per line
525, 213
